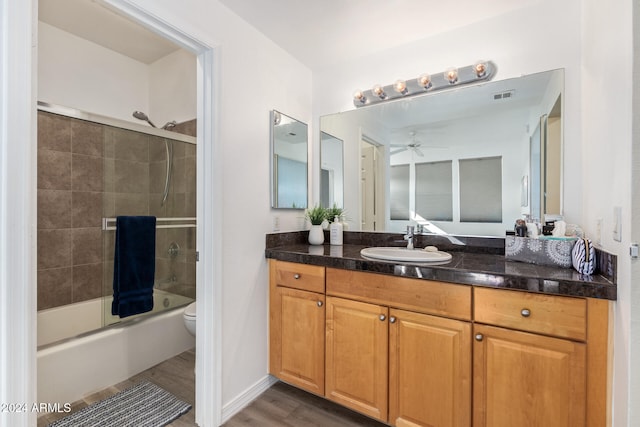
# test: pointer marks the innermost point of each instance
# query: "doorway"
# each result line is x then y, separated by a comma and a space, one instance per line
372, 193
208, 219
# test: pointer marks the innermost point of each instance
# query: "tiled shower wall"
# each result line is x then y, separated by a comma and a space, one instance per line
87, 170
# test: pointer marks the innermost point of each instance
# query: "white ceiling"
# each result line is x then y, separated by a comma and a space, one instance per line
316, 32
324, 32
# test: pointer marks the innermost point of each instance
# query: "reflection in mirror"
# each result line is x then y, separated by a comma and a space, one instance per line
331, 171
456, 161
289, 142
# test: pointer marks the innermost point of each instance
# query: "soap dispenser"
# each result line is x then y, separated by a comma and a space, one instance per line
335, 231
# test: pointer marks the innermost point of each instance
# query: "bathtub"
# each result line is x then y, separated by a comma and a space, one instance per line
70, 369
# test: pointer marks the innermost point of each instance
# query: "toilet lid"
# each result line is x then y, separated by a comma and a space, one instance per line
190, 310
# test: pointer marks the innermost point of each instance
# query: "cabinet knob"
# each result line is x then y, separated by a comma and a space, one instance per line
525, 312
319, 303
392, 319
382, 317
296, 276
479, 337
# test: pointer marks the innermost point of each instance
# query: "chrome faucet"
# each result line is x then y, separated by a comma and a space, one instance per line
409, 236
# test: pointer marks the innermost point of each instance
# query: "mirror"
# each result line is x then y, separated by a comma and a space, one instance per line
331, 171
467, 161
289, 141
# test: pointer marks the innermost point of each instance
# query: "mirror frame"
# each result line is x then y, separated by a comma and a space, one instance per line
276, 117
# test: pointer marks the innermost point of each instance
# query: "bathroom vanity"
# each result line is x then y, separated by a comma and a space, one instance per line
479, 341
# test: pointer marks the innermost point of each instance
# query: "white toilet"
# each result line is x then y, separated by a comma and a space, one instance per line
189, 316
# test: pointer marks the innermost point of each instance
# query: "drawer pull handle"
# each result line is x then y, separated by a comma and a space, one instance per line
382, 317
525, 312
479, 337
392, 319
296, 276
319, 303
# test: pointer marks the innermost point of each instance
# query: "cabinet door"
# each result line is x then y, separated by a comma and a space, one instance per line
523, 379
297, 338
429, 371
356, 358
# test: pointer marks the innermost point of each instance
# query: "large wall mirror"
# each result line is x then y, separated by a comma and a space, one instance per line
467, 161
289, 141
331, 171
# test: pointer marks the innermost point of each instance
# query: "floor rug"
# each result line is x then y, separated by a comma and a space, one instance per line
143, 405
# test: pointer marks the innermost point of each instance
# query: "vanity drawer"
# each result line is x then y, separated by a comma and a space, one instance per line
424, 296
564, 317
299, 276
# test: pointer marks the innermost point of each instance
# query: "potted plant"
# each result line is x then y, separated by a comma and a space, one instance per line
334, 212
316, 215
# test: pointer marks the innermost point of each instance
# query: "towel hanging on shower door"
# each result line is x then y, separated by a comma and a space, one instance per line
134, 265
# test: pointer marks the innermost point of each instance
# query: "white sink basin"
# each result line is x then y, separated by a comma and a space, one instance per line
404, 254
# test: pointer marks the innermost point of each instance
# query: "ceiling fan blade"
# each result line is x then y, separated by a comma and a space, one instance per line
418, 151
397, 151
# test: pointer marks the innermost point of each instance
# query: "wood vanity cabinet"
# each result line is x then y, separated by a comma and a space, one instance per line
296, 325
539, 358
413, 352
356, 356
398, 364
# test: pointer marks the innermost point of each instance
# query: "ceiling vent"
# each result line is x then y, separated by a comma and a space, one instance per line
508, 94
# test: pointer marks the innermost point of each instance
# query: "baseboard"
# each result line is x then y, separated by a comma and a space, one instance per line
246, 397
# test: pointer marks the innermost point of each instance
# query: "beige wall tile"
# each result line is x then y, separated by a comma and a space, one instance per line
54, 170
87, 282
54, 132
86, 209
54, 248
54, 287
54, 209
87, 138
87, 173
87, 246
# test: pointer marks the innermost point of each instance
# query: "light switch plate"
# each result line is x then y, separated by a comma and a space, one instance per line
617, 223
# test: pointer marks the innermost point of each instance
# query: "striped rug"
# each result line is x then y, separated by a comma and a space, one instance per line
143, 405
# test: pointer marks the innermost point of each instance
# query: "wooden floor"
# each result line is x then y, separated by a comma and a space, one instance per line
280, 405
283, 405
174, 375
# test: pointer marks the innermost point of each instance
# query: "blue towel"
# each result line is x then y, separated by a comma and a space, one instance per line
134, 265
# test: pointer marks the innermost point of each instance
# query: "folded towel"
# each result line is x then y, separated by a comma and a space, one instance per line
134, 265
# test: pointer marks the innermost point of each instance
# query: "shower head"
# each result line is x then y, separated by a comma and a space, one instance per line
142, 116
169, 125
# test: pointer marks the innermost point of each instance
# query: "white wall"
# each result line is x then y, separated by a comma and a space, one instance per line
74, 72
172, 88
588, 42
606, 170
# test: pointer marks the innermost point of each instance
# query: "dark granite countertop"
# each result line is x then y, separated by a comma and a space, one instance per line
470, 267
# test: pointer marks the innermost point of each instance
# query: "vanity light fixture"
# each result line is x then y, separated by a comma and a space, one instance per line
378, 91
450, 78
359, 98
451, 75
400, 86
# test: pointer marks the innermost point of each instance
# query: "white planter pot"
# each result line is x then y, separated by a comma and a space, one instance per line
316, 235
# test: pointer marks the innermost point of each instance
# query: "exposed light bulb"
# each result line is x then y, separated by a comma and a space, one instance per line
480, 68
425, 81
359, 96
378, 90
451, 75
400, 86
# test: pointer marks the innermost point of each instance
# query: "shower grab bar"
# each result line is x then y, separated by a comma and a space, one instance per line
110, 223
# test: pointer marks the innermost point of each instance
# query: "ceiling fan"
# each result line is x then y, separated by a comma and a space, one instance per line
414, 145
